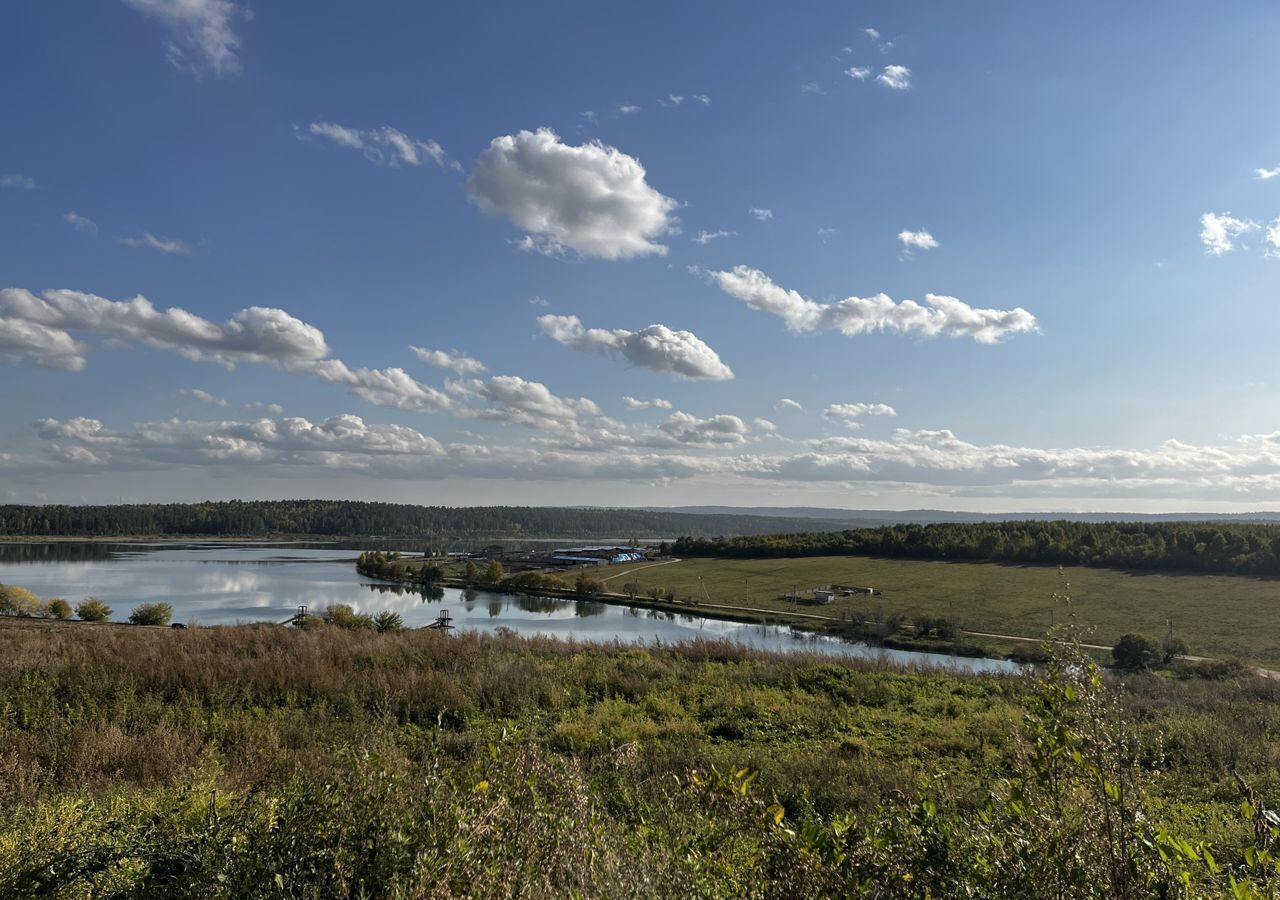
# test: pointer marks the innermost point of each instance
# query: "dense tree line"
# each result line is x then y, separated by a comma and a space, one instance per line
1180, 546
355, 518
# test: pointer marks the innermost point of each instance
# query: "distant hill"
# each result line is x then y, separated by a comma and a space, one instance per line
874, 518
348, 518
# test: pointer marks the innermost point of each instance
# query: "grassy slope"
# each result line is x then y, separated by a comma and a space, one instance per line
1218, 616
470, 766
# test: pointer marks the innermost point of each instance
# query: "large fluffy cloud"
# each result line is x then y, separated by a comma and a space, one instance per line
589, 198
860, 315
255, 334
657, 347
202, 38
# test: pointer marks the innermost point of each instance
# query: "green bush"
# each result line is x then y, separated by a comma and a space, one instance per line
388, 621
57, 608
1134, 651
151, 614
93, 610
343, 616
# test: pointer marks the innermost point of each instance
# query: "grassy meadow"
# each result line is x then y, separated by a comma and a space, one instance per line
263, 761
1222, 616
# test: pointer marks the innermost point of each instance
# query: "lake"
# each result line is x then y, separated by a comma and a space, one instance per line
219, 583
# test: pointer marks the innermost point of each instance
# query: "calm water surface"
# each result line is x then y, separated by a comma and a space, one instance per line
225, 583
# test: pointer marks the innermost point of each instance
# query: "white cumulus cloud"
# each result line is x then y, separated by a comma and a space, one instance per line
590, 198
938, 315
449, 359
896, 77
656, 403
917, 240
760, 214
850, 413
657, 347
1266, 174
683, 428
1219, 230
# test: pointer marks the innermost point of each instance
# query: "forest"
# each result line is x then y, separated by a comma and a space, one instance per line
356, 518
1167, 546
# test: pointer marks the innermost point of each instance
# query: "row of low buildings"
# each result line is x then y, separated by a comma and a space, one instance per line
598, 556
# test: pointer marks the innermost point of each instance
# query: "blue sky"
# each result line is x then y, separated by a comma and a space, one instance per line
569, 206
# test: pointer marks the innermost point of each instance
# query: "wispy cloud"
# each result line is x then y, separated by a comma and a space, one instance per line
82, 224
628, 109
202, 39
202, 396
760, 214
383, 145
17, 182
788, 403
149, 240
812, 87
706, 237
859, 73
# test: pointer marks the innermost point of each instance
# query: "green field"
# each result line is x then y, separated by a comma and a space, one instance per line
1217, 615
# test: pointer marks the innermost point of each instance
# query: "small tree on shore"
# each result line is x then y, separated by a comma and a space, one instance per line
57, 608
93, 610
151, 614
493, 574
586, 586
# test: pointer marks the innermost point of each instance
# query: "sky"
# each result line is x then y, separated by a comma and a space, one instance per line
980, 256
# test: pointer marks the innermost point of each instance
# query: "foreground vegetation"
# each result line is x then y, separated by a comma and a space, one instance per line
1221, 616
340, 762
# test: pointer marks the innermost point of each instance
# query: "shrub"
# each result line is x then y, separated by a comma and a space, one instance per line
1134, 651
344, 616
18, 601
93, 610
57, 608
387, 620
151, 614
